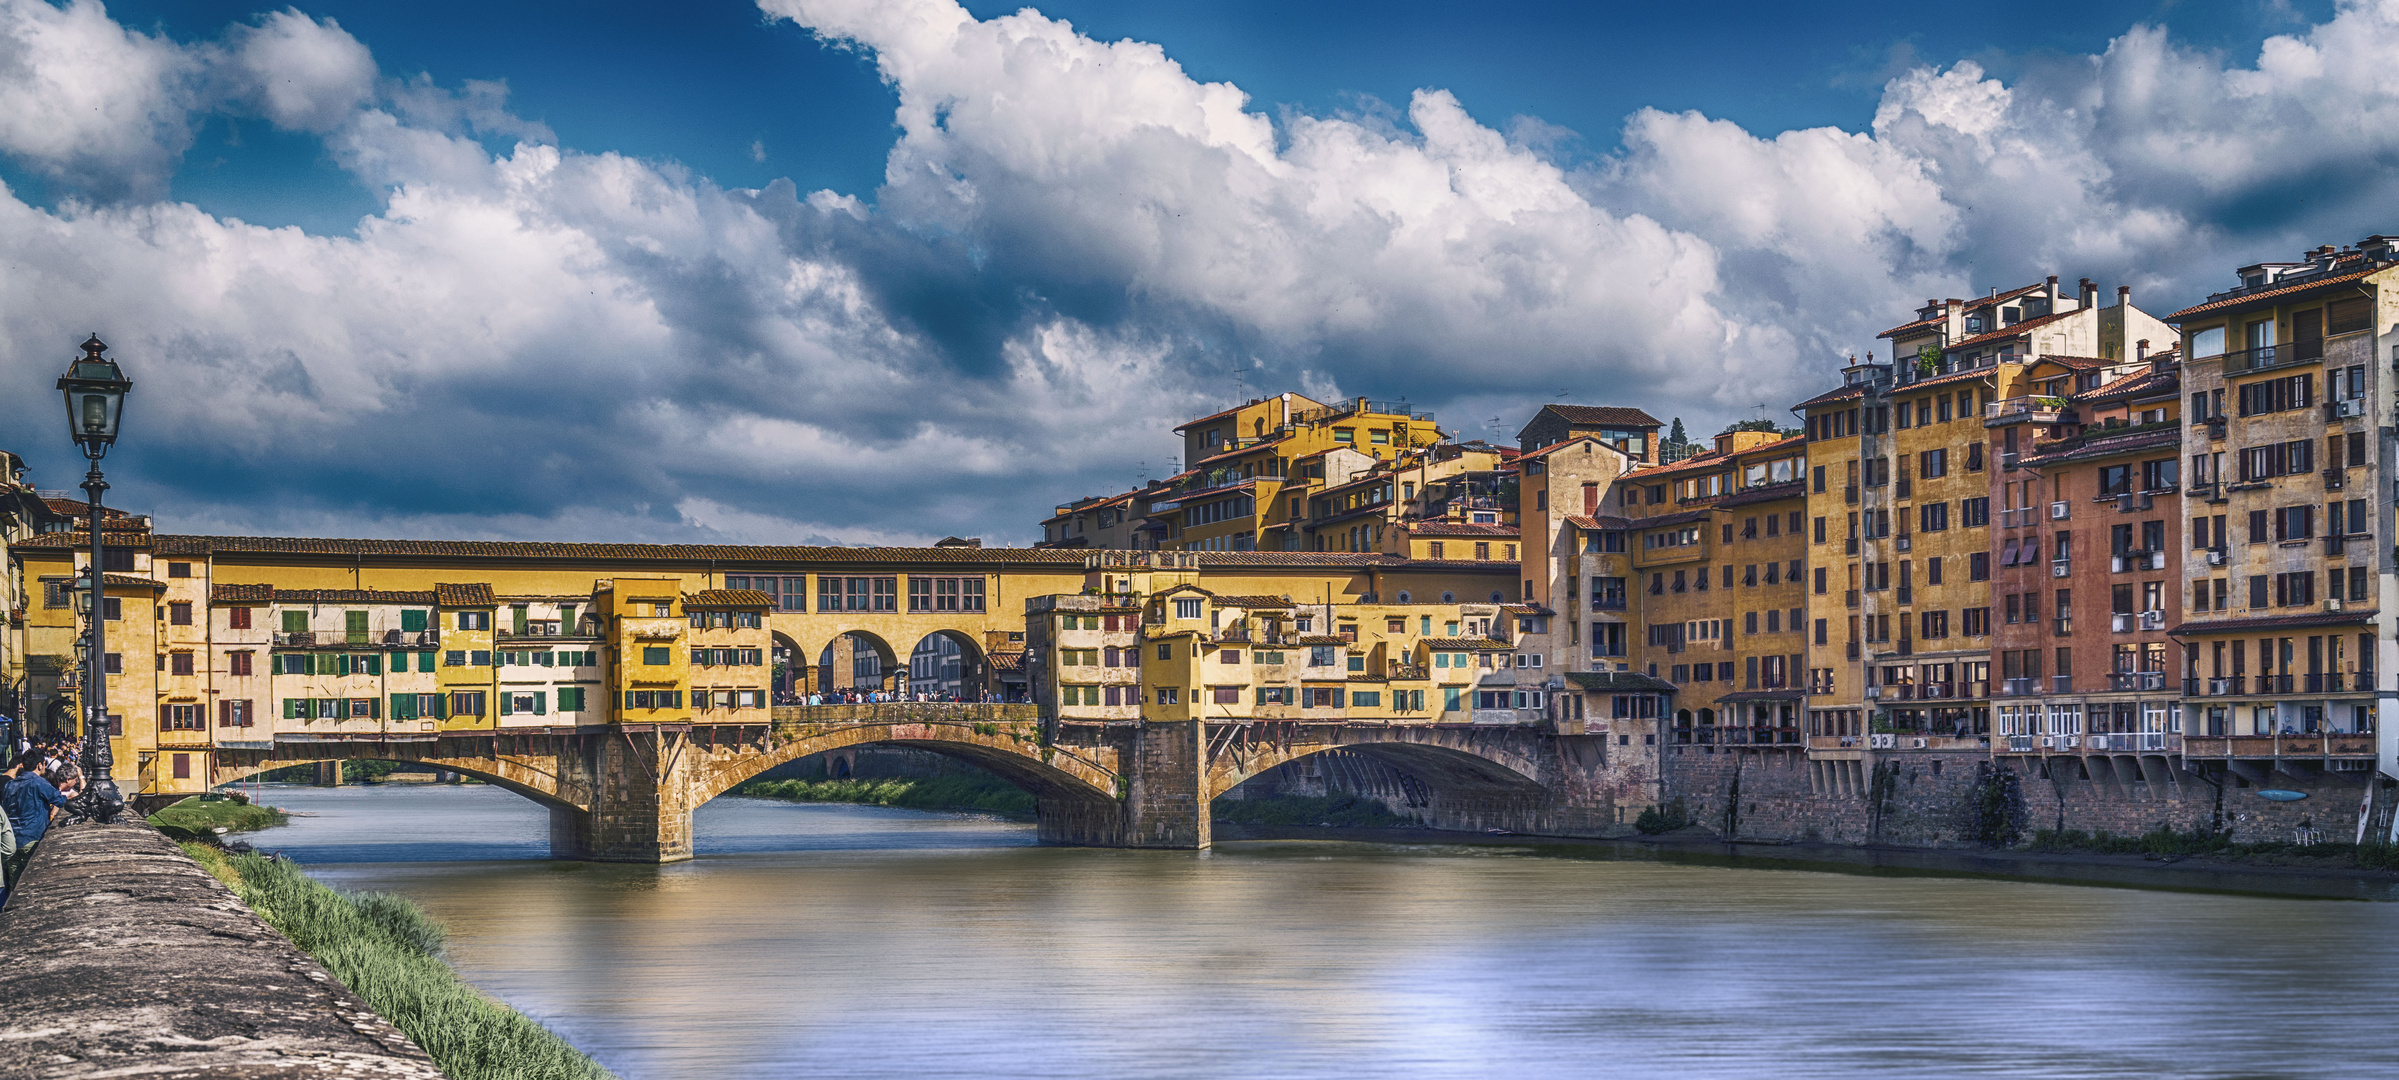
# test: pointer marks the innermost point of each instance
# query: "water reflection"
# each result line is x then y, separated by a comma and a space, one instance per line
850, 941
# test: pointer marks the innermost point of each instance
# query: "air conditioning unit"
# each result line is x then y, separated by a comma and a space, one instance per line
2153, 620
1880, 742
1874, 693
2060, 510
1904, 544
2048, 742
2061, 568
2215, 556
2342, 410
1916, 743
2332, 605
2157, 559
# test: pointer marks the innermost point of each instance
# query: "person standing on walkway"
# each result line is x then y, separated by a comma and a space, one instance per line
30, 802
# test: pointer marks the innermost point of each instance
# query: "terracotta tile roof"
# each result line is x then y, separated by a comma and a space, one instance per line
140, 541
2134, 385
745, 598
1950, 379
2274, 622
1598, 524
1007, 661
241, 594
331, 596
2078, 363
1702, 460
1254, 603
1323, 639
1790, 489
133, 581
1611, 415
1210, 416
1904, 328
495, 549
1579, 440
475, 595
1466, 644
2006, 332
2247, 299
1683, 518
2109, 446
1460, 528
1740, 697
1250, 449
1838, 393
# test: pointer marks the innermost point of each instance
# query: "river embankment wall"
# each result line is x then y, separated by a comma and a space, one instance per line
125, 958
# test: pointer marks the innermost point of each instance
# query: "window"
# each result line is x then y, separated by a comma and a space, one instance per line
1932, 517
470, 702
857, 594
1224, 695
634, 699
656, 655
179, 613
473, 620
2277, 459
1187, 609
1974, 512
945, 594
1166, 695
1978, 566
2276, 395
1933, 464
182, 663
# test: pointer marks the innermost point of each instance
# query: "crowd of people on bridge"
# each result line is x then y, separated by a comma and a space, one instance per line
856, 696
34, 790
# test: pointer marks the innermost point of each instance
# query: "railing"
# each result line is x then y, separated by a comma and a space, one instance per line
2127, 741
2335, 479
2019, 687
1607, 603
2039, 410
1851, 596
2062, 626
903, 712
2266, 357
2320, 744
1906, 593
2136, 680
2061, 684
1850, 546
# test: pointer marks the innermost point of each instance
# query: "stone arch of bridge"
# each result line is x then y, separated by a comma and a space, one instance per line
1057, 777
1444, 759
521, 778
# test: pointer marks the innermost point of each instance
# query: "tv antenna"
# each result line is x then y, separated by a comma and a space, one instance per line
1241, 384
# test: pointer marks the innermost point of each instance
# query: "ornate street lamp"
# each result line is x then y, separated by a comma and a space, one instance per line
95, 393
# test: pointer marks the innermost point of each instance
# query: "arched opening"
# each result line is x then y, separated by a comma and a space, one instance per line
858, 662
947, 665
224, 775
790, 676
1382, 783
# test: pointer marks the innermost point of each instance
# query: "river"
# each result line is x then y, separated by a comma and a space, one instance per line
844, 941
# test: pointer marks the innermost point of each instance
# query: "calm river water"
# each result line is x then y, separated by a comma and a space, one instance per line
838, 941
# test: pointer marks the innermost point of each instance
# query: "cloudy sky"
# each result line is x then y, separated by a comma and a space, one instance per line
875, 271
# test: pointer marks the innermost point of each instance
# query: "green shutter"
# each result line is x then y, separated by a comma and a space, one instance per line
424, 661
566, 618
403, 706
517, 613
441, 706
412, 620
374, 664
539, 701
375, 708
354, 626
504, 703
295, 622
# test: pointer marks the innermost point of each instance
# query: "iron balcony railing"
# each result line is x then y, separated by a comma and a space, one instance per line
2266, 357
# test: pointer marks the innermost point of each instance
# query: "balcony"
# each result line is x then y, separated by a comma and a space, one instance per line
1850, 546
1904, 543
1608, 603
2136, 561
2215, 428
2127, 681
2269, 357
2061, 684
2036, 410
2334, 744
2019, 687
2211, 490
1905, 594
2123, 742
2335, 479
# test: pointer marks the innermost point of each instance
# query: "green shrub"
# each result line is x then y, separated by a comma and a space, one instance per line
387, 951
986, 794
1655, 820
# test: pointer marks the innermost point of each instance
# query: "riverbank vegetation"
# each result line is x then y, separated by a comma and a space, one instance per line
388, 952
1342, 811
983, 794
2166, 843
201, 815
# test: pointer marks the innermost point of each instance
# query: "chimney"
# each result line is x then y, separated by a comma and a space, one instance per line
2087, 293
2051, 292
2124, 296
2140, 350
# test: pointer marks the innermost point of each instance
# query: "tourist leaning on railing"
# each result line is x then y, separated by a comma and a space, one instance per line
30, 802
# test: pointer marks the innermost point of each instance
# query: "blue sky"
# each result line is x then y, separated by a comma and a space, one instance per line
849, 272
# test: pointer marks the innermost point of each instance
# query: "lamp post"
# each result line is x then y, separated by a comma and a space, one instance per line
95, 392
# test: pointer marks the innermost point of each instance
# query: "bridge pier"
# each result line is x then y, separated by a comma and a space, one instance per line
641, 800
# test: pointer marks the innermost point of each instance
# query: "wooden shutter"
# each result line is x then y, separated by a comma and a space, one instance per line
539, 702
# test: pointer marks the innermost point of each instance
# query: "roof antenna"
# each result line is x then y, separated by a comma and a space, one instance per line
1241, 385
